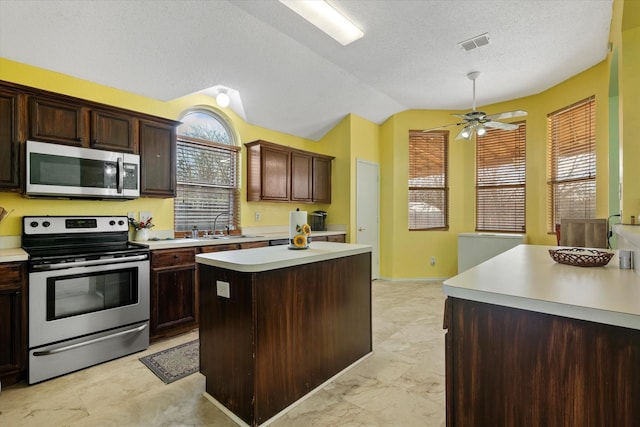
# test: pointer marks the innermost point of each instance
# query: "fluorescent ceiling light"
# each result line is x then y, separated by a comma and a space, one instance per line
326, 18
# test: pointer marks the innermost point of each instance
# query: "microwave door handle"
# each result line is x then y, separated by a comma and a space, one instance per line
120, 183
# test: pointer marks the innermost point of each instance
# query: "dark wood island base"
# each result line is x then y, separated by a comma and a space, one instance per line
281, 333
512, 367
531, 342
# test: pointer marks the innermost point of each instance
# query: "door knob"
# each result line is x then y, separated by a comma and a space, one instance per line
361, 228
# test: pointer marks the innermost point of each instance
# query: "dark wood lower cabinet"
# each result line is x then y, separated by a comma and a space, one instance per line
174, 292
511, 367
13, 323
283, 332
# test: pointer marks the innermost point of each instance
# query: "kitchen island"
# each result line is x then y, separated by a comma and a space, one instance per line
275, 323
530, 342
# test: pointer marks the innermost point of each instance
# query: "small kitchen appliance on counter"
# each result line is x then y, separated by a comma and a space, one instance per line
88, 292
318, 221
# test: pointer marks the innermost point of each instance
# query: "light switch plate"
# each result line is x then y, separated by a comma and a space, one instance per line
222, 289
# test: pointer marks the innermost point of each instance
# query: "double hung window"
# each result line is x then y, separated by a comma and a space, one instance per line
207, 173
428, 180
500, 180
572, 163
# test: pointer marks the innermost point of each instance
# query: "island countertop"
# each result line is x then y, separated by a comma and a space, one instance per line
274, 257
526, 277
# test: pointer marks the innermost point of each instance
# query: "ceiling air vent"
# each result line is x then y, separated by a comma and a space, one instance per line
475, 42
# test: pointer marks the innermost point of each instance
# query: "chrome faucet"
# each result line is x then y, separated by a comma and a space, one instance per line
215, 220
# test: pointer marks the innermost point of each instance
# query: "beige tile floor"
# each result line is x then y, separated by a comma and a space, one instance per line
401, 384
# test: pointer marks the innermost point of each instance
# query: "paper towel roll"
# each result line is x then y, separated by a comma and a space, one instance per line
296, 220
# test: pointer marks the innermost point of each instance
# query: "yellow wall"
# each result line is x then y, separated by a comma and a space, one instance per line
403, 254
272, 214
629, 70
365, 145
406, 254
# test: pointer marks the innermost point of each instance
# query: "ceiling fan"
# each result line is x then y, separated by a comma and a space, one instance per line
477, 121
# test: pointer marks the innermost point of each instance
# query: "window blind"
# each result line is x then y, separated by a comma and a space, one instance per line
500, 180
572, 163
428, 181
206, 174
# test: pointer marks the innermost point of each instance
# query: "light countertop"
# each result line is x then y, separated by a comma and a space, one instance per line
201, 241
12, 251
13, 255
526, 277
274, 257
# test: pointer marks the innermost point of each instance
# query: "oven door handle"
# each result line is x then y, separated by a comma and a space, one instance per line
93, 341
88, 263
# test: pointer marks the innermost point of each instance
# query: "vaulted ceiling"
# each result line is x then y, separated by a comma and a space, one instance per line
286, 75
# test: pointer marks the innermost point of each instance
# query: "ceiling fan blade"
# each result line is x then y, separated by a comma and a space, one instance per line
506, 115
460, 116
500, 125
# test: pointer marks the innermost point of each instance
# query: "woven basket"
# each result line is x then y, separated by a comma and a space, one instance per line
581, 257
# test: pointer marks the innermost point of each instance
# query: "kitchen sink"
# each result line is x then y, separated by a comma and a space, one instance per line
231, 236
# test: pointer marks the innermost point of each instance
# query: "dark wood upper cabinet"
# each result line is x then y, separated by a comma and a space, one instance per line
275, 174
113, 131
268, 172
56, 121
157, 159
11, 119
322, 179
279, 173
301, 177
39, 115
76, 124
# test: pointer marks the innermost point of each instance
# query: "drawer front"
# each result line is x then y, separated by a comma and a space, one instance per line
171, 257
219, 248
10, 276
248, 245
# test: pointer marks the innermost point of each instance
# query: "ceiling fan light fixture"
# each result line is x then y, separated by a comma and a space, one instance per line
326, 18
466, 133
222, 99
480, 130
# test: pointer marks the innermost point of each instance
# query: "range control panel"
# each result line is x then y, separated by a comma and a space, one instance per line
73, 224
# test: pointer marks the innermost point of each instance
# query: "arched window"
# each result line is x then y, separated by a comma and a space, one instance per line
206, 173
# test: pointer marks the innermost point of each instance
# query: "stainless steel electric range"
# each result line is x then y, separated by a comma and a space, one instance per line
88, 292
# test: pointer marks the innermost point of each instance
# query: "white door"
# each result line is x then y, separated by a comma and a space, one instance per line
368, 210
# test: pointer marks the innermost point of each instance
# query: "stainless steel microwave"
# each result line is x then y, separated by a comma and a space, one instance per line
63, 171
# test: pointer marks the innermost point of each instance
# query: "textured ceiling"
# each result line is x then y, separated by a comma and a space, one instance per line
293, 78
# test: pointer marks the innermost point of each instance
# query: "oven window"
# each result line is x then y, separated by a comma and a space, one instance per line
87, 293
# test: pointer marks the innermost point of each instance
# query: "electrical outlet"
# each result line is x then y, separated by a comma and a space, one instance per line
222, 289
145, 216
257, 216
433, 260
